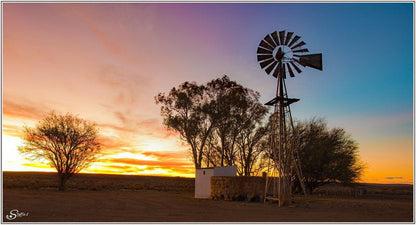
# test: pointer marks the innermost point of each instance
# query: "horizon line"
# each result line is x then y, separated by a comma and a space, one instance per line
165, 175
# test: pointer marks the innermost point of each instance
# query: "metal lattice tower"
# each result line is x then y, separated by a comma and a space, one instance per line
279, 54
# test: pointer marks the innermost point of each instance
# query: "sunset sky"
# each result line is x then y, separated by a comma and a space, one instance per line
106, 62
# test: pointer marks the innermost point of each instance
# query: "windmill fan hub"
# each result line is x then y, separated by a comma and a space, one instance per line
282, 52
278, 53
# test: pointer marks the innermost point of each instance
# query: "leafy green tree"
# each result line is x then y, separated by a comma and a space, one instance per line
186, 111
252, 136
67, 142
224, 94
211, 118
237, 109
326, 155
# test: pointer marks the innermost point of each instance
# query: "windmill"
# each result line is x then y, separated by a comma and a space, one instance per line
280, 55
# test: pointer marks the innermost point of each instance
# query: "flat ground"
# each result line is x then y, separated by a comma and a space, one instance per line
156, 199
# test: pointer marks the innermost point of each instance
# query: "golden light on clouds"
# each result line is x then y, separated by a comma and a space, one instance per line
124, 150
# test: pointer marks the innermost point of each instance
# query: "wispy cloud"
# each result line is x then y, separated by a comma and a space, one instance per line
107, 36
36, 165
110, 45
166, 155
135, 166
24, 109
110, 144
394, 178
144, 162
12, 130
113, 76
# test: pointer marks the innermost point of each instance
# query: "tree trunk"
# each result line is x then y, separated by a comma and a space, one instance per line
310, 188
222, 152
62, 181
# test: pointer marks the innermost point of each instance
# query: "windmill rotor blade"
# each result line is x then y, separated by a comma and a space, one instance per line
270, 41
298, 61
298, 45
263, 51
290, 70
301, 50
264, 57
296, 67
295, 39
266, 46
288, 37
282, 37
312, 60
276, 71
271, 67
275, 38
266, 63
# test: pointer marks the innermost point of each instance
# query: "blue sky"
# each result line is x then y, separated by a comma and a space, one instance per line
366, 85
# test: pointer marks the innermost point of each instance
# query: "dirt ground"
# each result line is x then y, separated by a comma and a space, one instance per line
49, 205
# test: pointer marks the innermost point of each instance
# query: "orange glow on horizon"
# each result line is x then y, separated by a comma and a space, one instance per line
153, 164
167, 156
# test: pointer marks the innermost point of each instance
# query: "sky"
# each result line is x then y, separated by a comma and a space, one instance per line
105, 62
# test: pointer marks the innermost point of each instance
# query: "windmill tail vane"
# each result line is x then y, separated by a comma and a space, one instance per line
282, 54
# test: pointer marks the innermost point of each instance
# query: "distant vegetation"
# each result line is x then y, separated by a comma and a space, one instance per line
326, 155
68, 143
97, 182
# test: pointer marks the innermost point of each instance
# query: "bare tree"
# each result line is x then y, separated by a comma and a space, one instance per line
67, 142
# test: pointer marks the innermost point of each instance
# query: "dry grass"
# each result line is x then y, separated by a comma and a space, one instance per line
367, 190
391, 189
97, 182
100, 182
118, 198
